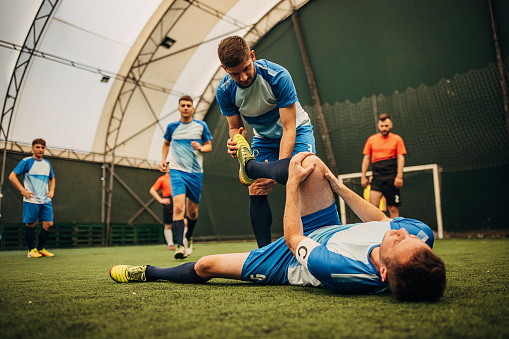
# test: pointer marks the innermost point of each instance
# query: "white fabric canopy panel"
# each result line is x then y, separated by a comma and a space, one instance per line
73, 109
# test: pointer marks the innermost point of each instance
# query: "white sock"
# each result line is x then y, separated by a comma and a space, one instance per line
168, 235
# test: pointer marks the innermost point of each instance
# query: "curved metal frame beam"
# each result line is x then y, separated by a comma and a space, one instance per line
281, 11
278, 13
25, 56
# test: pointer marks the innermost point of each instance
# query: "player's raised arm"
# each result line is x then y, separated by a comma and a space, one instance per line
363, 209
288, 116
292, 223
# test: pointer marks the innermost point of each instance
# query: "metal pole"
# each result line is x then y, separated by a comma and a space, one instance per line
438, 201
500, 63
314, 94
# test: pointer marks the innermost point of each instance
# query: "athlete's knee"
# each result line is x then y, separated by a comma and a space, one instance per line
192, 211
193, 215
178, 209
31, 225
204, 266
47, 225
320, 167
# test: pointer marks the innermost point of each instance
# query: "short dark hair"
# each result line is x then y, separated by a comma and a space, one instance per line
384, 116
232, 51
186, 98
422, 278
39, 142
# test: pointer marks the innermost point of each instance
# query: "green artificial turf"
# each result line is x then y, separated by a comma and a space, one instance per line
72, 296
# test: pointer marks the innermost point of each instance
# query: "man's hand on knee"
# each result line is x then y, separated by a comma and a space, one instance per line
297, 172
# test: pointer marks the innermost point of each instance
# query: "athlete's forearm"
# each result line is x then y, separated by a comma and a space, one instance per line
292, 223
165, 150
287, 144
288, 117
156, 195
13, 177
365, 164
205, 148
363, 209
401, 165
52, 185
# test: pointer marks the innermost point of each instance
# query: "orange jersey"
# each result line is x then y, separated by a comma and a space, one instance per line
380, 148
163, 183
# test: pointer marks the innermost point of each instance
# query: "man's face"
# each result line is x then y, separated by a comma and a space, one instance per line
385, 126
243, 74
399, 246
186, 109
38, 151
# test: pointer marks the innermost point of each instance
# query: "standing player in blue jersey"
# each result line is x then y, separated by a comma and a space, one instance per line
38, 189
185, 141
364, 258
262, 93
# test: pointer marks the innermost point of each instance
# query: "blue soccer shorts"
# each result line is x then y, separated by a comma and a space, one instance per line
268, 149
269, 264
186, 183
37, 212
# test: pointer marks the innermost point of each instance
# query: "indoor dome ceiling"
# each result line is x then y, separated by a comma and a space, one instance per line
105, 76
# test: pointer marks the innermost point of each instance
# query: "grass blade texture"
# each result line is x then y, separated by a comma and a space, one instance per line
72, 296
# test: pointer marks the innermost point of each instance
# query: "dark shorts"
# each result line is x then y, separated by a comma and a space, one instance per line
389, 191
168, 213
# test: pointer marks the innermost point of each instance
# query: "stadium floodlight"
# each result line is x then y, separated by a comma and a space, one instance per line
436, 188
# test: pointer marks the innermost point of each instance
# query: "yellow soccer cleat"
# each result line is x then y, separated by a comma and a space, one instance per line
243, 155
34, 253
126, 273
45, 253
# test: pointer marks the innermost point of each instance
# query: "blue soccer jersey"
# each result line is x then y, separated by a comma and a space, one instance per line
340, 260
337, 256
182, 155
36, 176
259, 103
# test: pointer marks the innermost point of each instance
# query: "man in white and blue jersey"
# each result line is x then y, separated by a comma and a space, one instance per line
37, 191
370, 257
185, 141
263, 94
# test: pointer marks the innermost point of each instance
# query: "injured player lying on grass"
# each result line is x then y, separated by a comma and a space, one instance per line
316, 250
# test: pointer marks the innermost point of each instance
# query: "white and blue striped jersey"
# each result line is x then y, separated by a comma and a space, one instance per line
340, 261
259, 103
36, 176
182, 155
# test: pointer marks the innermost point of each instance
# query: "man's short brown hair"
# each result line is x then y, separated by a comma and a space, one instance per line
186, 98
39, 142
422, 278
232, 51
384, 117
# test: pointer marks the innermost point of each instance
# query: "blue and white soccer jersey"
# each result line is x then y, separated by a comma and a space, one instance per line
186, 163
36, 175
335, 257
259, 105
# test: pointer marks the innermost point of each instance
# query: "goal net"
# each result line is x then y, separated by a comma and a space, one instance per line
420, 196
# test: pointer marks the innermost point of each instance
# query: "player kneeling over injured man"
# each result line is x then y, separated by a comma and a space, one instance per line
362, 258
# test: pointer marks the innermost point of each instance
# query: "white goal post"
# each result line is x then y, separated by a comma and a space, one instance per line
436, 188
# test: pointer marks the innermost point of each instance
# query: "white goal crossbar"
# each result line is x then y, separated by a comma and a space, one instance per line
436, 188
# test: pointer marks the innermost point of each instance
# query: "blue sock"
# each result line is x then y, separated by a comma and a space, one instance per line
43, 236
184, 273
178, 229
261, 218
30, 237
277, 170
190, 227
